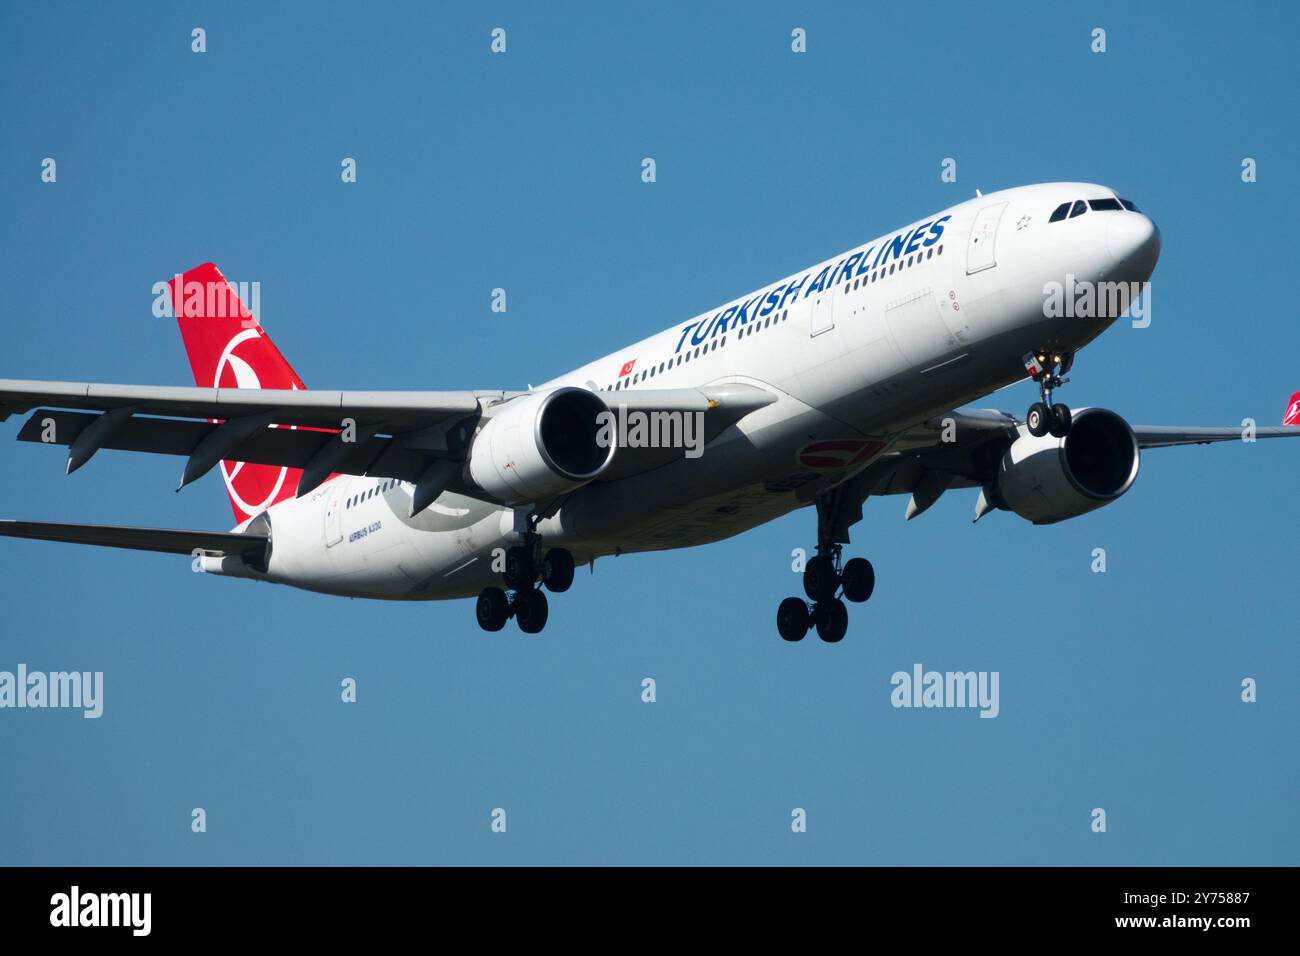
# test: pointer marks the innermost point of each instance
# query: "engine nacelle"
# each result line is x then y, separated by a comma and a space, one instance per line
1050, 479
540, 445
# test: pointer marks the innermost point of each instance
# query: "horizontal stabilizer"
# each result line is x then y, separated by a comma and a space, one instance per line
167, 540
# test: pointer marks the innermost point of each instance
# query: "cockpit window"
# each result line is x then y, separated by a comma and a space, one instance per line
1068, 210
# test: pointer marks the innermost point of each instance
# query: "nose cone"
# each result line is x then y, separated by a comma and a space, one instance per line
1133, 242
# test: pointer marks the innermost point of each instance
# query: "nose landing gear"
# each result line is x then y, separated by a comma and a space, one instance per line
1048, 369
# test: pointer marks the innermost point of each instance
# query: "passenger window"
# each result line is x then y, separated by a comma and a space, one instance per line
1059, 212
1080, 207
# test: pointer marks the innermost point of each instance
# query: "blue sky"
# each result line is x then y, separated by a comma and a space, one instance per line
522, 171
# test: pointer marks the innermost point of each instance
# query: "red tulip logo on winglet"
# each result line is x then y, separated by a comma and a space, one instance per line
1292, 416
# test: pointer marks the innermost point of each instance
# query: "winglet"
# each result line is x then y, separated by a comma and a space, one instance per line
1292, 416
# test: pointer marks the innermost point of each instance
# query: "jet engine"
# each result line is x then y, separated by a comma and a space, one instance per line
540, 445
1049, 479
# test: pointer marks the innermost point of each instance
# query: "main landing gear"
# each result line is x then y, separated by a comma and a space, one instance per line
1048, 369
822, 578
526, 601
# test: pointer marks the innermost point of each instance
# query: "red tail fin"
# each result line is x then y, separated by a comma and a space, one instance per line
228, 349
1292, 416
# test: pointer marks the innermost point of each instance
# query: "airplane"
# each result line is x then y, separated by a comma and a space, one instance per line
845, 381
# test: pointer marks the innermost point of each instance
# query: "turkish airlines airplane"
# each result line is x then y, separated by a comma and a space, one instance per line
824, 388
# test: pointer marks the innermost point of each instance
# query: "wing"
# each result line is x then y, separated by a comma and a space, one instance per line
393, 434
1166, 436
404, 435
960, 449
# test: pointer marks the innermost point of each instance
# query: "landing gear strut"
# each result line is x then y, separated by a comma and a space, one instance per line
826, 582
526, 602
1048, 369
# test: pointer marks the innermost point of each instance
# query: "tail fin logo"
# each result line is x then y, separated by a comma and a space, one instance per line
245, 374
228, 348
260, 480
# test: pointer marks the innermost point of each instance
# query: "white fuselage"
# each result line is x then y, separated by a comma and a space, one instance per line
857, 349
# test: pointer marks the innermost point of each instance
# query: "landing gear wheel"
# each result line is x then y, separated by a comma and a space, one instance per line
521, 571
1039, 420
859, 580
832, 620
492, 609
820, 579
792, 619
531, 610
1061, 420
1048, 367
557, 570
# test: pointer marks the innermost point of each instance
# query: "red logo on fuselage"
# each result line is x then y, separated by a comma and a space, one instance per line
838, 453
626, 369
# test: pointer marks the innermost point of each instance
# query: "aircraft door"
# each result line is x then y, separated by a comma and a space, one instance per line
980, 248
334, 513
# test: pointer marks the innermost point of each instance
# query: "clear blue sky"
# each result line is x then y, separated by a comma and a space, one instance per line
522, 171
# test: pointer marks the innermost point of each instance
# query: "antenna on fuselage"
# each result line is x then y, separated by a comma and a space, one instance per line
978, 194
